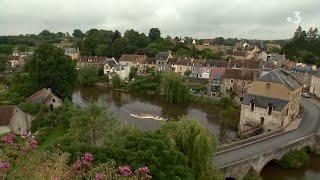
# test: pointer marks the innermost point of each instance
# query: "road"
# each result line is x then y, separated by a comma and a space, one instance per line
309, 124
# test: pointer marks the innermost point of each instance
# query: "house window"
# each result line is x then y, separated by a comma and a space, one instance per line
262, 121
269, 109
287, 112
231, 81
252, 105
243, 84
53, 100
268, 85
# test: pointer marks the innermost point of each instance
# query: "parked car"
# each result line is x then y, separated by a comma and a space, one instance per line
306, 95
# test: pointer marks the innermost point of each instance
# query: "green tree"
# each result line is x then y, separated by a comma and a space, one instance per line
175, 90
182, 52
196, 142
78, 34
154, 34
88, 75
3, 63
116, 81
295, 159
103, 50
133, 73
51, 68
119, 47
155, 151
187, 73
309, 58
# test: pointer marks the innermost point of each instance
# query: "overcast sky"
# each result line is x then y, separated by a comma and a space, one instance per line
254, 19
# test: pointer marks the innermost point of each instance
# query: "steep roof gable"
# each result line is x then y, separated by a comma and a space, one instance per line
280, 77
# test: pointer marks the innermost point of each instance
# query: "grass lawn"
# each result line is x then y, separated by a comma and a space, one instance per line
53, 135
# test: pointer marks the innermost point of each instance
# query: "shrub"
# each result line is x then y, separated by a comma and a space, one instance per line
295, 159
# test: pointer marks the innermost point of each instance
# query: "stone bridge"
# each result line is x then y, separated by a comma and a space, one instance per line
239, 169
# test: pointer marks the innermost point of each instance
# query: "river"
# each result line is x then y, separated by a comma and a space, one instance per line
311, 171
123, 105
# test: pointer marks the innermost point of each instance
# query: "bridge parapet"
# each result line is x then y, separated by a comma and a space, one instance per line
239, 169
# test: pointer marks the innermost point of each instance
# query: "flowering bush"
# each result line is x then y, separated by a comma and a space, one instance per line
9, 138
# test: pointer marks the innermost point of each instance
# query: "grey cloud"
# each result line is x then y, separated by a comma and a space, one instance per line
255, 19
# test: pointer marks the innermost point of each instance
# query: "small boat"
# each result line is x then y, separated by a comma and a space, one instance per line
148, 116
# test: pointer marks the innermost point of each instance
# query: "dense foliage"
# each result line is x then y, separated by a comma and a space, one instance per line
88, 75
50, 68
175, 90
295, 159
194, 141
304, 46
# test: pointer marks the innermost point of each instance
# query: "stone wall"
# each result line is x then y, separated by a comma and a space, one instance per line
239, 169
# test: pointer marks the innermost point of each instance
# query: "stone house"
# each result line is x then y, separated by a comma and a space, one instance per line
91, 60
214, 83
109, 63
150, 63
46, 97
134, 60
236, 81
74, 53
162, 61
303, 73
272, 102
315, 84
122, 71
180, 65
14, 119
199, 69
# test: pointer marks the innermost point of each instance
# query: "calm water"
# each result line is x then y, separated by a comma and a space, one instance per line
122, 105
311, 172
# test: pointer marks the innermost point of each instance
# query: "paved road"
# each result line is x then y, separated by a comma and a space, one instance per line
310, 124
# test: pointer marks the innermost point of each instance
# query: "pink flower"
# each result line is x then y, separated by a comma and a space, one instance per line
9, 138
33, 144
5, 166
78, 165
87, 158
125, 171
142, 170
99, 176
54, 178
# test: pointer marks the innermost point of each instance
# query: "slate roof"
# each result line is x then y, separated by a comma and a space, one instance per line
111, 62
246, 64
117, 67
263, 102
6, 113
281, 77
218, 63
162, 55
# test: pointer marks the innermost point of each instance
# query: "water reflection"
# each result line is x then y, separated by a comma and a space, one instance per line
123, 104
311, 171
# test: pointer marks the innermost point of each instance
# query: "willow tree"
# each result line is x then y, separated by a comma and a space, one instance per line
175, 90
197, 143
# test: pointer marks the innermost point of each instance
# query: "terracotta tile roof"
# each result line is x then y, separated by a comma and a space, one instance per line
242, 74
134, 58
6, 113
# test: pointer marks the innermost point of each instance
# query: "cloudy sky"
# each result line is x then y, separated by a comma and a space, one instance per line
254, 19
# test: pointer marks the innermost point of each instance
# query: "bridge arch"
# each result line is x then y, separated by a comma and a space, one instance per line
239, 169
